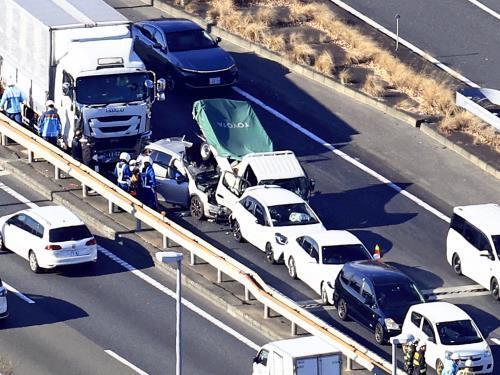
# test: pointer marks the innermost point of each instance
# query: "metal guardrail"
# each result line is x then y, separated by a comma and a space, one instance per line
253, 284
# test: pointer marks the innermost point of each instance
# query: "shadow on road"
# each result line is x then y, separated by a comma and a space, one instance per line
418, 273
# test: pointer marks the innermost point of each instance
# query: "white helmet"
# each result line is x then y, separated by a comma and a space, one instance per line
132, 162
11, 81
125, 156
49, 103
468, 363
455, 356
147, 159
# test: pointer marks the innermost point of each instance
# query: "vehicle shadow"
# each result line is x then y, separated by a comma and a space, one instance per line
486, 322
418, 274
359, 208
371, 239
45, 310
123, 247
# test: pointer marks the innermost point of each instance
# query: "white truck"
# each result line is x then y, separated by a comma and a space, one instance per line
79, 54
302, 356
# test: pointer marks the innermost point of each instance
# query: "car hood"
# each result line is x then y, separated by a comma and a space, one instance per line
396, 313
208, 59
468, 350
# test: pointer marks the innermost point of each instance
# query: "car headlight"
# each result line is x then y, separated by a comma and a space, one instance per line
391, 324
280, 239
487, 353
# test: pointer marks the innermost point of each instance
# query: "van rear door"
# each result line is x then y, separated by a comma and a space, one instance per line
306, 366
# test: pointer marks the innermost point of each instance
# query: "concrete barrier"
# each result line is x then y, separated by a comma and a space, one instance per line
253, 284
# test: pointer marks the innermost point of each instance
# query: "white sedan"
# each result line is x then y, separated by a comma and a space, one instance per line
446, 329
317, 259
267, 216
48, 237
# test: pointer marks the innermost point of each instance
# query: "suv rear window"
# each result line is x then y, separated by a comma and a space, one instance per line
74, 233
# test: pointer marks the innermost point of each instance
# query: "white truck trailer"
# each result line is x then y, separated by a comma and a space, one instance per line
79, 54
302, 356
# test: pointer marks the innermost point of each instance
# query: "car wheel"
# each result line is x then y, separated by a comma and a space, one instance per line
324, 295
270, 253
457, 264
237, 231
196, 207
292, 271
439, 367
342, 309
379, 334
33, 262
495, 289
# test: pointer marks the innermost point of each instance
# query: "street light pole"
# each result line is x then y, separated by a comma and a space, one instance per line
174, 257
397, 30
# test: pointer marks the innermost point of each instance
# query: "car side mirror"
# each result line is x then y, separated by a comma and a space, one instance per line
485, 253
218, 40
312, 184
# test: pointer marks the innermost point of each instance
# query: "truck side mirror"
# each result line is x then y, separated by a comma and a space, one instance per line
66, 88
312, 183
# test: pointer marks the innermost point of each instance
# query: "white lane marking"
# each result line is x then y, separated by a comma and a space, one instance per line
17, 293
185, 302
495, 340
485, 8
404, 42
454, 289
19, 197
125, 362
155, 283
440, 297
343, 155
452, 292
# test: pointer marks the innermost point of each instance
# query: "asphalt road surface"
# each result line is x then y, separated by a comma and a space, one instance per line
456, 32
411, 235
80, 318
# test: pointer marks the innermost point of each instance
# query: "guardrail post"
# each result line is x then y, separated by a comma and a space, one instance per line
110, 207
138, 225
84, 190
56, 173
266, 312
219, 276
248, 296
166, 242
192, 260
293, 329
348, 364
30, 156
4, 139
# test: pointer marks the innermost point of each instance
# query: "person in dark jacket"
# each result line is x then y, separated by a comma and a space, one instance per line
148, 184
76, 146
87, 152
409, 353
49, 124
420, 367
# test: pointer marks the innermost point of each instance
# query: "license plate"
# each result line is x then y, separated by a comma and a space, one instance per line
73, 253
214, 80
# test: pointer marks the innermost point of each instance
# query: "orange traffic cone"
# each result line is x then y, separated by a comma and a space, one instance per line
377, 255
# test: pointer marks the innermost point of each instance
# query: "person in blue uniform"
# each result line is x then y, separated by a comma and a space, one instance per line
122, 171
148, 184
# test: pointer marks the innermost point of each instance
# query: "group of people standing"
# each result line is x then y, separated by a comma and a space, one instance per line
137, 177
414, 361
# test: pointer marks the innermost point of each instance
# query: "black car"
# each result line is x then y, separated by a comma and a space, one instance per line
185, 52
376, 295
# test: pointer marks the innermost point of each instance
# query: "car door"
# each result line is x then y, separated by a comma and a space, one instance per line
309, 263
15, 234
485, 262
471, 257
159, 49
432, 352
245, 216
34, 239
229, 189
368, 314
414, 325
261, 227
355, 307
173, 186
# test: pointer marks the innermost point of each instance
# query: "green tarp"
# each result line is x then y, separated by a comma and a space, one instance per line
231, 127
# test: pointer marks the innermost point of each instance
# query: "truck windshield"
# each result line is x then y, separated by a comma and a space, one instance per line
113, 88
298, 185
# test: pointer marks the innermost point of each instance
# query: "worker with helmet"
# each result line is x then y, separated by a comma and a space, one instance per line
148, 183
11, 100
122, 171
467, 370
49, 124
451, 365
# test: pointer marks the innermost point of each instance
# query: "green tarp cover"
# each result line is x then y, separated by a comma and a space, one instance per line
231, 127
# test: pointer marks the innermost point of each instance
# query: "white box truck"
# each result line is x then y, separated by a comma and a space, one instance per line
79, 54
302, 356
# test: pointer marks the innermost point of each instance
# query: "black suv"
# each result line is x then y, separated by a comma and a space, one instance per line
376, 295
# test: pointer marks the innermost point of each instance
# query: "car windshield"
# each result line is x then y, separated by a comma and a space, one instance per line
297, 185
189, 40
496, 243
292, 214
113, 88
458, 332
394, 295
342, 254
73, 233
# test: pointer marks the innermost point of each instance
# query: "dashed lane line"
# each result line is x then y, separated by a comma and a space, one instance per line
464, 291
343, 155
19, 197
125, 362
485, 8
495, 340
17, 293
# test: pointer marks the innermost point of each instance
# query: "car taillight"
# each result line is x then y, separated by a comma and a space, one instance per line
53, 247
91, 242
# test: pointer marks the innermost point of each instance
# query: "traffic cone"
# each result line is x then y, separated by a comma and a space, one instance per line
377, 255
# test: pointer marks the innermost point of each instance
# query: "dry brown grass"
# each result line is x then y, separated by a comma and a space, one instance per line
274, 42
302, 53
373, 86
345, 76
324, 63
254, 31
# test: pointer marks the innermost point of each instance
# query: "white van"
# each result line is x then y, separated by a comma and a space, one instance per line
302, 356
473, 244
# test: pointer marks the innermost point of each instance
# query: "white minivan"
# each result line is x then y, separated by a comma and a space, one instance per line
473, 244
48, 237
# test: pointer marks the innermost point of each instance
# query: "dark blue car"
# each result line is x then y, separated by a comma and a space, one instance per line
376, 295
185, 52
